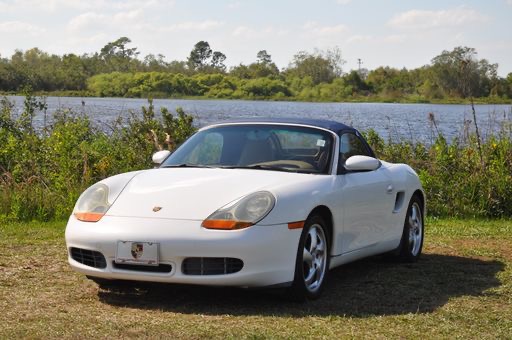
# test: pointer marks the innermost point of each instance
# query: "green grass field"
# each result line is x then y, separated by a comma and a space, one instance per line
461, 288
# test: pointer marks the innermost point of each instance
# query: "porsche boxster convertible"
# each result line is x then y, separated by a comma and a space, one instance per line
250, 203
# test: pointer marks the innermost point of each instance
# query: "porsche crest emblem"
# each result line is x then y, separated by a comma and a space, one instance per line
137, 250
156, 209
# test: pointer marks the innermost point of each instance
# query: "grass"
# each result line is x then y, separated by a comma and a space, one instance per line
461, 288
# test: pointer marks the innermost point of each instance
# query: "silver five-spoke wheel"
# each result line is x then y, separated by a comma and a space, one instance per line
312, 261
415, 229
412, 237
314, 258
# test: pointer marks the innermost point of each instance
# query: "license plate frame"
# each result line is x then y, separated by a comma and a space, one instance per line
137, 253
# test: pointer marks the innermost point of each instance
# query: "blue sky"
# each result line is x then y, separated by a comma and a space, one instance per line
397, 33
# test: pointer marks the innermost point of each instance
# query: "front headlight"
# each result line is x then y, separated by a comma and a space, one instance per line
242, 213
93, 203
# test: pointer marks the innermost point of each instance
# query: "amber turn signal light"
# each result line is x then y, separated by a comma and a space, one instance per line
88, 216
296, 225
225, 224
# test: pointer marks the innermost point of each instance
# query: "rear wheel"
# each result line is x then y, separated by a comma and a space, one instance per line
312, 261
412, 237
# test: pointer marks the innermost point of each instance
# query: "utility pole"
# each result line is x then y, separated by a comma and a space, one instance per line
359, 62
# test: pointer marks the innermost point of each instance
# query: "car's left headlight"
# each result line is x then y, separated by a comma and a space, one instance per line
93, 203
242, 213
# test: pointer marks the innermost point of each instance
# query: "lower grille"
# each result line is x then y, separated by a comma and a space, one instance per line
89, 258
161, 268
211, 265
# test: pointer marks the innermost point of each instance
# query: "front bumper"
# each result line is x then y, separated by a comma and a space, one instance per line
268, 252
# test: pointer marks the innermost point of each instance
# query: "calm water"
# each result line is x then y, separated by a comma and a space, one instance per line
398, 121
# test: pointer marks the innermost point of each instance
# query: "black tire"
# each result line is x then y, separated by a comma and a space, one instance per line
411, 243
310, 274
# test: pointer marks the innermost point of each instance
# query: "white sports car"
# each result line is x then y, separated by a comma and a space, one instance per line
274, 202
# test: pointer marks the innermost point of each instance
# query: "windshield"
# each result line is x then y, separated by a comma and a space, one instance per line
265, 147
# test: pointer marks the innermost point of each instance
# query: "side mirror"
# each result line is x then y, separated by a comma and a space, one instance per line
361, 163
160, 156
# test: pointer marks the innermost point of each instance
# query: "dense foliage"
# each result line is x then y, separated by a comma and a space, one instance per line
117, 70
43, 172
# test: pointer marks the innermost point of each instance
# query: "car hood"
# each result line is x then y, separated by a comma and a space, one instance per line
193, 193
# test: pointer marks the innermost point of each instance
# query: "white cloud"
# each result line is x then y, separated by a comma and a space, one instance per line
57, 5
20, 27
251, 33
243, 31
343, 2
234, 5
422, 19
509, 2
395, 38
84, 20
359, 38
192, 26
91, 20
315, 29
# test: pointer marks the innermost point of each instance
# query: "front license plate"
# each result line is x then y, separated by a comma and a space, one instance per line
142, 253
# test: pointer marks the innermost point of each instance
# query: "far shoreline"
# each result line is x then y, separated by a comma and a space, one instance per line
358, 99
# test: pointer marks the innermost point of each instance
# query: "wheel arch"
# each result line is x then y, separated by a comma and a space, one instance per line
326, 214
421, 196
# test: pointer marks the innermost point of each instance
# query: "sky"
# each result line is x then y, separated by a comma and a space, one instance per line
396, 33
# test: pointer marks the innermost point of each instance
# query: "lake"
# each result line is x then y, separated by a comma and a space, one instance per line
395, 121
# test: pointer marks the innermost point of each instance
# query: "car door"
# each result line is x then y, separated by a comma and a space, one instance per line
365, 197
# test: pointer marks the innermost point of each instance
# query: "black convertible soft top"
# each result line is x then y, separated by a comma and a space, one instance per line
321, 123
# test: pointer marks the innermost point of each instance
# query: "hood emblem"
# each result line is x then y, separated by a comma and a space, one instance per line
156, 209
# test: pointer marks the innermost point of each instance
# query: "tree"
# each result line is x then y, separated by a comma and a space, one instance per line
117, 56
241, 71
335, 59
354, 79
155, 63
199, 55
460, 73
218, 59
118, 48
316, 66
263, 57
74, 72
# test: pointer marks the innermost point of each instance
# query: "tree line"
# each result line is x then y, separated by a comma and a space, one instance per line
118, 70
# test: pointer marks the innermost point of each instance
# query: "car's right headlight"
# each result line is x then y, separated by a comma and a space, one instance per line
93, 203
242, 213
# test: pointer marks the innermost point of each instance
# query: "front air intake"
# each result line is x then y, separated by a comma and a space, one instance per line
211, 265
89, 258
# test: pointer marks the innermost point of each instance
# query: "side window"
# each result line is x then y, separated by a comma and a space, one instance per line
209, 151
351, 145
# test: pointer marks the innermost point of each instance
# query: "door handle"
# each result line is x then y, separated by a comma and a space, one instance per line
389, 189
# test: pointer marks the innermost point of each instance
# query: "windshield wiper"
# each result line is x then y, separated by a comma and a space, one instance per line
262, 167
186, 165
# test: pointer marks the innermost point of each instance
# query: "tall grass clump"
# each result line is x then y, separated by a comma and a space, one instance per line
43, 171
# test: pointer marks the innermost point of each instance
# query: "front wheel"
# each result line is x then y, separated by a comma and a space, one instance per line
312, 261
412, 237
